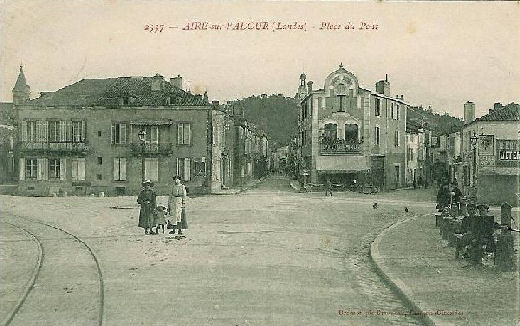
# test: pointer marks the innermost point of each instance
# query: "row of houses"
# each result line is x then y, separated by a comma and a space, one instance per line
349, 133
107, 135
483, 157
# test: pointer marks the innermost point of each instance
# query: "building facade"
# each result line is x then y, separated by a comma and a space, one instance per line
348, 133
88, 138
490, 155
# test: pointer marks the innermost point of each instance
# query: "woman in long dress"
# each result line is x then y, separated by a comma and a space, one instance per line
176, 204
146, 199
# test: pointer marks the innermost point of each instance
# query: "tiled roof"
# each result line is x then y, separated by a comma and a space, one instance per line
111, 92
510, 112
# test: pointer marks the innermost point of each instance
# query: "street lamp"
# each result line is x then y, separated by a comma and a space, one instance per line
142, 140
474, 141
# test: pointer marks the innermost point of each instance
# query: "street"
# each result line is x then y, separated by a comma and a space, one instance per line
267, 256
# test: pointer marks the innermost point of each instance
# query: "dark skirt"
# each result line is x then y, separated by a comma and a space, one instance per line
146, 217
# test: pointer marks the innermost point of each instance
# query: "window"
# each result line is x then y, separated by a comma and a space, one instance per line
184, 168
351, 133
184, 134
99, 133
78, 131
377, 135
118, 135
152, 134
54, 169
397, 112
119, 169
78, 169
199, 167
151, 169
99, 177
31, 168
99, 160
29, 131
41, 131
377, 107
396, 138
54, 131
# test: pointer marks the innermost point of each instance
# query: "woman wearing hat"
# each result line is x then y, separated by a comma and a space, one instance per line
146, 199
176, 204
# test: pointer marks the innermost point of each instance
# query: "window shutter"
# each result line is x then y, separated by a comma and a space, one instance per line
68, 126
74, 169
112, 134
63, 169
122, 133
39, 175
45, 169
155, 135
83, 130
180, 134
22, 168
45, 131
81, 169
187, 169
122, 168
24, 130
116, 168
62, 135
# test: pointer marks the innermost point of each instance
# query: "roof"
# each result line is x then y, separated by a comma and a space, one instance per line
510, 112
21, 82
111, 92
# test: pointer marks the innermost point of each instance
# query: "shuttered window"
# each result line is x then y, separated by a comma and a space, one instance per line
151, 169
120, 169
78, 169
184, 134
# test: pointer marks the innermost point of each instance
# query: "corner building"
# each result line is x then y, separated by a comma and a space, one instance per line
348, 133
83, 138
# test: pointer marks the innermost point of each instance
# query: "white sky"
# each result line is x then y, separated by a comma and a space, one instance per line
439, 54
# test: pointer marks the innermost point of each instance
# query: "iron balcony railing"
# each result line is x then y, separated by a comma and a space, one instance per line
151, 148
339, 147
66, 146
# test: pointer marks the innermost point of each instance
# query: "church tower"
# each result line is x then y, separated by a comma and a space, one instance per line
302, 90
21, 90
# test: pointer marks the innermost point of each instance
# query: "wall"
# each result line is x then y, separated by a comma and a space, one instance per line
100, 120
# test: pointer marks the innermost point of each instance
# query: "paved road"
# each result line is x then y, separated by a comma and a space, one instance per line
268, 256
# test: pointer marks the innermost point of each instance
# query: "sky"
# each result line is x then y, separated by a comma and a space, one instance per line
439, 54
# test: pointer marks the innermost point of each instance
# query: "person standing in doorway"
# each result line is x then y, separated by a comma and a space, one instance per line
146, 199
176, 205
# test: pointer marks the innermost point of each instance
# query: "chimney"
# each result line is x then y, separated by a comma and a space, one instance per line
383, 86
309, 87
469, 112
176, 81
402, 97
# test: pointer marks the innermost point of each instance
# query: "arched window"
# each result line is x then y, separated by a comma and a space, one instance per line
351, 133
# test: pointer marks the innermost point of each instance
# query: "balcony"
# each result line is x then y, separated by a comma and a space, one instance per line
66, 147
339, 147
151, 149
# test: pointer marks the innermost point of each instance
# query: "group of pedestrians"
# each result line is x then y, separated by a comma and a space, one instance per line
156, 216
448, 195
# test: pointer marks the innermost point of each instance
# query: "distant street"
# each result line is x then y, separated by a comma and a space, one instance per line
268, 256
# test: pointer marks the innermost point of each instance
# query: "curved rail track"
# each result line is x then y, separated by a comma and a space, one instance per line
40, 261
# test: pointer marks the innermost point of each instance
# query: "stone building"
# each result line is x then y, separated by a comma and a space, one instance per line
347, 132
490, 155
416, 154
85, 138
